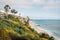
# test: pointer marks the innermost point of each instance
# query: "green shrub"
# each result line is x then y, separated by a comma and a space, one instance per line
31, 29
44, 35
11, 16
18, 26
51, 38
21, 31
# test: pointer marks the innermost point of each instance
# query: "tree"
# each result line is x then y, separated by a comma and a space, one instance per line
27, 21
7, 7
0, 14
13, 11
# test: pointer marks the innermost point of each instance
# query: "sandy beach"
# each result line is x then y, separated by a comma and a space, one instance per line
38, 29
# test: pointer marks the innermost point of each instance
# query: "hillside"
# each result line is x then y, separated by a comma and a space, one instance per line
12, 28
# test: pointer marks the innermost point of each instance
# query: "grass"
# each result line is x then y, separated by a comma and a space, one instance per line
15, 30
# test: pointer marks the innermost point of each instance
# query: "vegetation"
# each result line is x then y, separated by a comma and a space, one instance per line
13, 11
27, 21
7, 7
12, 28
16, 30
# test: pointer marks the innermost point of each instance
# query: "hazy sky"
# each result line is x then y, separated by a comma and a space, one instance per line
39, 9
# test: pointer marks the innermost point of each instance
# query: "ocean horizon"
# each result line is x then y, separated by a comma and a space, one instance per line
52, 26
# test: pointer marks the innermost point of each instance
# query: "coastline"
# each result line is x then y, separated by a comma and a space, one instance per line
38, 29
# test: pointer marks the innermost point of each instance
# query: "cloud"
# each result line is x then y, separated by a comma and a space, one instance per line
52, 4
48, 4
40, 8
29, 3
39, 1
17, 3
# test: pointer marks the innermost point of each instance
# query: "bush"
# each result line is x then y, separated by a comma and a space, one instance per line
44, 35
24, 38
18, 26
32, 36
7, 23
51, 38
10, 16
32, 30
21, 31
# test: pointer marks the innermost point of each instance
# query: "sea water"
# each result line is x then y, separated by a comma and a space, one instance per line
51, 25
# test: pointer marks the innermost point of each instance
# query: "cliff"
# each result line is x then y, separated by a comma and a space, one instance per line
12, 28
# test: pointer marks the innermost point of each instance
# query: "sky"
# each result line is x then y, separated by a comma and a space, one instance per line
35, 9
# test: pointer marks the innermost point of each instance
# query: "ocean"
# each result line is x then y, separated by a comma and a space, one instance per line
52, 26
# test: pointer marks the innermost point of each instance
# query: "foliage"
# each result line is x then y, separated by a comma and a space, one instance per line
51, 38
13, 11
7, 7
16, 30
44, 35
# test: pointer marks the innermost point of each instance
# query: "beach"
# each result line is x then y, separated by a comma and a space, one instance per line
38, 29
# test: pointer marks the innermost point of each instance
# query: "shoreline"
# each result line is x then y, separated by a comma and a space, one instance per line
38, 29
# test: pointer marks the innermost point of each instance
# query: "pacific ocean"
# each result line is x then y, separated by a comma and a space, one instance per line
51, 25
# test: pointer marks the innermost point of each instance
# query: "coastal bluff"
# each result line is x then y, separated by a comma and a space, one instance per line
13, 27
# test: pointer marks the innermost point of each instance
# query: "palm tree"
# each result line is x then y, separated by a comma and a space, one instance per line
6, 7
13, 11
